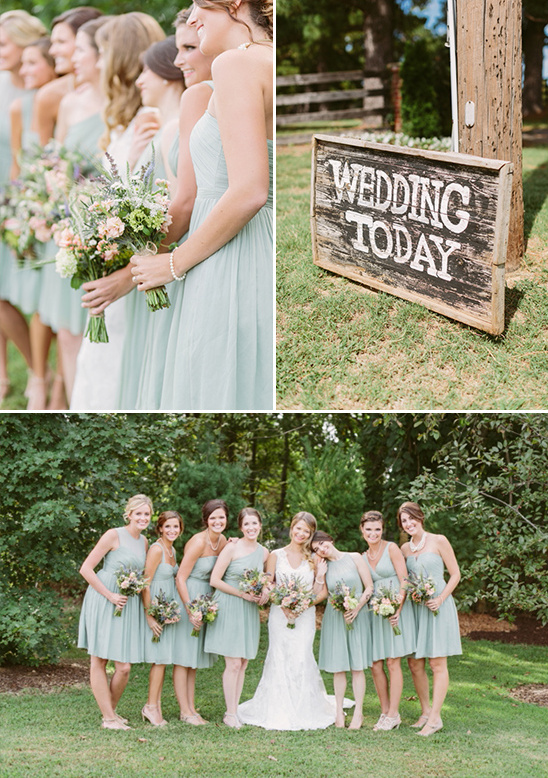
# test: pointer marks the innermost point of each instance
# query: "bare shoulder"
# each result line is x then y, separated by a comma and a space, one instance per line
16, 107
195, 543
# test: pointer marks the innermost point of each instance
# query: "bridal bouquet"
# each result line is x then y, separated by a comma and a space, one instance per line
253, 581
164, 611
130, 582
385, 602
110, 220
421, 588
344, 599
292, 593
205, 608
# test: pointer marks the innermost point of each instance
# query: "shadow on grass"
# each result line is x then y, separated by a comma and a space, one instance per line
512, 300
535, 193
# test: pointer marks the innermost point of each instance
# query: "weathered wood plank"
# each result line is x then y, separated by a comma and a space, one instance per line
301, 79
324, 116
426, 226
307, 98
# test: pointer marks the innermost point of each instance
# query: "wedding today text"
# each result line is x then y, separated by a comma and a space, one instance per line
410, 198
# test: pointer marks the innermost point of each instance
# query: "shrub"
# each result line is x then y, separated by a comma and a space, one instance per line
30, 631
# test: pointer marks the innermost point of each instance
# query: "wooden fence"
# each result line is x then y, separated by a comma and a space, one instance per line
331, 97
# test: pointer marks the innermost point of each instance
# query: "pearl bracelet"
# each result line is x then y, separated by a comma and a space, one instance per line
175, 276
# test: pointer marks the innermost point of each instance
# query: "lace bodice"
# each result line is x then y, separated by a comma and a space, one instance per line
283, 568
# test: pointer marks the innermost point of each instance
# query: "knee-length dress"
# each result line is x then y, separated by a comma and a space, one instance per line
384, 642
436, 635
101, 632
344, 649
236, 630
220, 347
190, 650
163, 652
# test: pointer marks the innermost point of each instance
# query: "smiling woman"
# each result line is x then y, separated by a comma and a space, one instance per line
105, 637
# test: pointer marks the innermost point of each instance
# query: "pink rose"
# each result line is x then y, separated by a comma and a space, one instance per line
113, 227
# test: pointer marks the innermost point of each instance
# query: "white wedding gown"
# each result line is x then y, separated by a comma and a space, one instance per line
291, 694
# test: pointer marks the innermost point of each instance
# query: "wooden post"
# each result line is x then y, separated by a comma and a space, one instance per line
489, 95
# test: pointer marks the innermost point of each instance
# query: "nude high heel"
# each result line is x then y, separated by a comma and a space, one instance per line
146, 714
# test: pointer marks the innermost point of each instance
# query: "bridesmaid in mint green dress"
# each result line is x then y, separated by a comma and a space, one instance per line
120, 639
160, 569
200, 555
345, 641
235, 632
220, 348
437, 636
388, 571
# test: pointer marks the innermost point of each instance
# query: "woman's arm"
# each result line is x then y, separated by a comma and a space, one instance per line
446, 552
16, 121
154, 557
193, 550
108, 542
320, 586
225, 558
240, 113
367, 581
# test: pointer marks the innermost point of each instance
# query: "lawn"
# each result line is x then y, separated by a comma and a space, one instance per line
343, 346
486, 733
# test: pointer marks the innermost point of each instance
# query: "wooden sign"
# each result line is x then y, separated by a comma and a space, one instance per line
426, 226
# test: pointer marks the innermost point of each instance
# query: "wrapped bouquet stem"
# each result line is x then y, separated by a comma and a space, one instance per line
156, 298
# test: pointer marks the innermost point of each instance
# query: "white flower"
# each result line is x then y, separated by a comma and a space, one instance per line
65, 263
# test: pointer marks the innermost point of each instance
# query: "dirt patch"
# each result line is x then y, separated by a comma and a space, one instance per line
45, 678
536, 693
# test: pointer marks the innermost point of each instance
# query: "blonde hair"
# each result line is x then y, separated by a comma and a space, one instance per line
123, 39
22, 28
134, 502
261, 12
312, 525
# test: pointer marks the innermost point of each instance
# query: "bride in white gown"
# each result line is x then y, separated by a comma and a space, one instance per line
291, 694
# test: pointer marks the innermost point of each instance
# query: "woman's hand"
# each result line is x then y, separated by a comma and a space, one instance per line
434, 604
321, 570
104, 291
349, 616
249, 597
119, 600
196, 620
265, 594
154, 625
150, 271
394, 619
146, 125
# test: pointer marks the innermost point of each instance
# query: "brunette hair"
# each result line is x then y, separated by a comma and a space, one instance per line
165, 516
134, 502
182, 17
160, 57
21, 27
260, 11
90, 28
76, 17
43, 45
248, 512
371, 516
123, 39
320, 536
210, 506
413, 509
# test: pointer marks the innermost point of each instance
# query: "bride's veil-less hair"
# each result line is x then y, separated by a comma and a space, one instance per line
312, 524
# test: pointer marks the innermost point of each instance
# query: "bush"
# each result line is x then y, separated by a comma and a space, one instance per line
425, 89
30, 631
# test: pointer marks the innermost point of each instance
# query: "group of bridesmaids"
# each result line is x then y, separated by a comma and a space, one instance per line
291, 694
200, 103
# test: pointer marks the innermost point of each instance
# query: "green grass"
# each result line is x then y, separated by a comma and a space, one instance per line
342, 346
486, 732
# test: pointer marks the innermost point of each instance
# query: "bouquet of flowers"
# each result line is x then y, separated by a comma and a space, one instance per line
344, 599
130, 582
110, 220
385, 602
32, 205
291, 593
164, 611
205, 608
421, 588
252, 581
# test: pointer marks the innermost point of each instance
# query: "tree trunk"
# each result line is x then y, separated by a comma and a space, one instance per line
378, 25
533, 43
489, 77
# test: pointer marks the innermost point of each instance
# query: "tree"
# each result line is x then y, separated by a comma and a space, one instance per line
535, 19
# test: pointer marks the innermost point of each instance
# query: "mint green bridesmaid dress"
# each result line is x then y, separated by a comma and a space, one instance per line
190, 650
163, 652
119, 638
60, 306
236, 630
385, 643
220, 349
436, 635
343, 649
